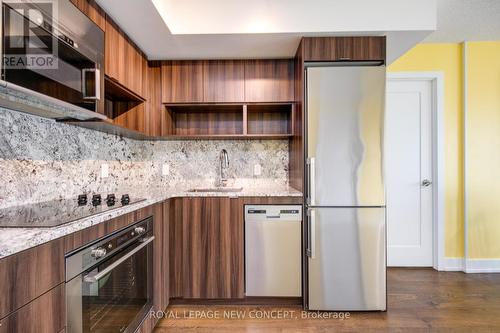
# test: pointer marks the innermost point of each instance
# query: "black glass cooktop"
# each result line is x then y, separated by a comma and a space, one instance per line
53, 213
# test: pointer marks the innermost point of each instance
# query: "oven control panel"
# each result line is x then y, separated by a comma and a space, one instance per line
83, 258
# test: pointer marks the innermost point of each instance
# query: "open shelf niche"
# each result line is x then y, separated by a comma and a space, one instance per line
232, 121
119, 100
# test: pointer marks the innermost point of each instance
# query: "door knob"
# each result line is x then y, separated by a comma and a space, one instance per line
426, 183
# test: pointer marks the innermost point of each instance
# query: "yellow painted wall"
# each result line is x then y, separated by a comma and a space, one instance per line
483, 149
448, 59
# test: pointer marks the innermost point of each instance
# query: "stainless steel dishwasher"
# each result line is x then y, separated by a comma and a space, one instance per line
273, 250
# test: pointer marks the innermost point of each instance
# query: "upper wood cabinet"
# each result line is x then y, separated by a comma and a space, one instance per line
227, 81
93, 11
182, 81
223, 81
124, 63
158, 120
344, 48
269, 80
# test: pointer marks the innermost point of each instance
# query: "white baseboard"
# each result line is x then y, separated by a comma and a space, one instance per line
482, 266
471, 266
452, 265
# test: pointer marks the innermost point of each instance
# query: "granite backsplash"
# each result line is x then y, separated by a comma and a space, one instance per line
43, 160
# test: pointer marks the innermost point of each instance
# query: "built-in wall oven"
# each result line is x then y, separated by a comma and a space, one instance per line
109, 282
51, 49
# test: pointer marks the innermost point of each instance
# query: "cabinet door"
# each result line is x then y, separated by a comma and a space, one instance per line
165, 256
45, 314
223, 81
114, 51
124, 63
134, 77
212, 249
182, 81
269, 80
368, 48
28, 274
160, 259
344, 48
159, 121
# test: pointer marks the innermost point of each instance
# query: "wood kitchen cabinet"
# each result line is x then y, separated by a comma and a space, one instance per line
45, 314
160, 253
269, 80
206, 241
124, 62
32, 284
370, 48
206, 249
26, 275
227, 81
182, 81
160, 265
175, 242
126, 83
158, 121
223, 81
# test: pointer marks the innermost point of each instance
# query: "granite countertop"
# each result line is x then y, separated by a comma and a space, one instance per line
14, 240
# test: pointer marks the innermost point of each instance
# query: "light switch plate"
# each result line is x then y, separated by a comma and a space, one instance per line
257, 170
104, 170
165, 169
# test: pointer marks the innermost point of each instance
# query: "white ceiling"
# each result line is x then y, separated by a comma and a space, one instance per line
466, 20
202, 29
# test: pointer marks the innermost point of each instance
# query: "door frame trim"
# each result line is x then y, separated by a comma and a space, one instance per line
437, 81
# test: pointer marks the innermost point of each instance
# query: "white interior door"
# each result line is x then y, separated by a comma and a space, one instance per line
408, 146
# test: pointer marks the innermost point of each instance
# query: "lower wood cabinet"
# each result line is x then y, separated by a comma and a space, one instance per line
206, 240
198, 254
160, 213
206, 246
45, 314
29, 274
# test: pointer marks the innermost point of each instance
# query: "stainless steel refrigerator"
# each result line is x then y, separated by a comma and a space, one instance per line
345, 199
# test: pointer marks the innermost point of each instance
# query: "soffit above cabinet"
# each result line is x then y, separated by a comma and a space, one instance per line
237, 29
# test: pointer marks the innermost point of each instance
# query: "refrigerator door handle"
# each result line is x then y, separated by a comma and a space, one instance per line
311, 233
307, 178
311, 181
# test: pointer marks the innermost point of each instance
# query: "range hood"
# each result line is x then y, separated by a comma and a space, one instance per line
17, 98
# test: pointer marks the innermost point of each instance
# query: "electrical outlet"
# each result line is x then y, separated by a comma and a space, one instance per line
104, 170
257, 170
165, 169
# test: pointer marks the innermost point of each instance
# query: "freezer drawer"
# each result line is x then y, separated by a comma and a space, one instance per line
273, 250
346, 259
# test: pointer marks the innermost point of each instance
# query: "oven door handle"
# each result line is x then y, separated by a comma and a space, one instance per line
91, 278
97, 83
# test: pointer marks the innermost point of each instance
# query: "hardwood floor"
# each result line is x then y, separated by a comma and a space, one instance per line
419, 300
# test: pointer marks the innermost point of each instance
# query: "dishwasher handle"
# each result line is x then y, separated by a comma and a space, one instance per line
273, 213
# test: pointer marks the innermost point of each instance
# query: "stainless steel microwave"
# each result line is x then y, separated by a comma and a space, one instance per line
53, 52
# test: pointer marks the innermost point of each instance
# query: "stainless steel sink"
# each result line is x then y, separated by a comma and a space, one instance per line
217, 189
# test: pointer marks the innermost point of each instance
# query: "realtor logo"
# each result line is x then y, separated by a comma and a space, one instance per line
30, 40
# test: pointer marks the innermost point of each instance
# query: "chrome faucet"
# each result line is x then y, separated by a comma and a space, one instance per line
224, 164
